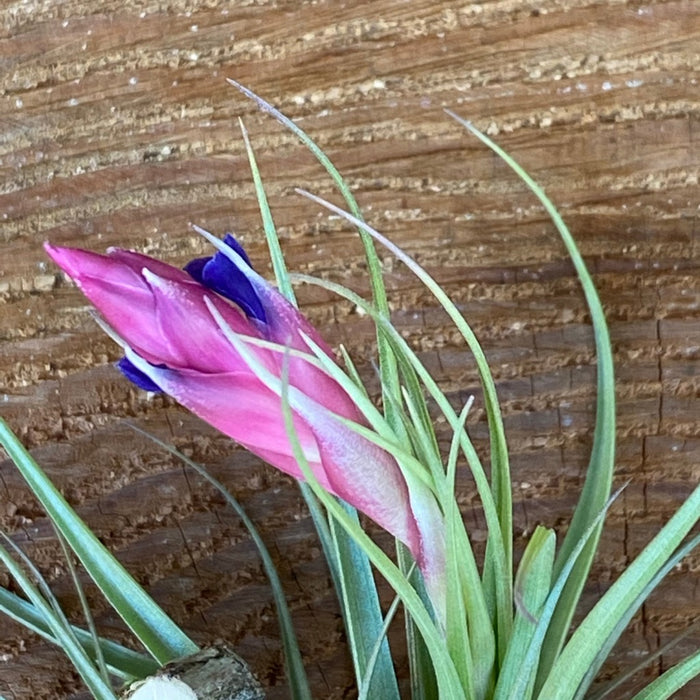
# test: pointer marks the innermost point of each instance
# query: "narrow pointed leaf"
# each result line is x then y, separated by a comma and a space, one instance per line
532, 584
296, 675
363, 615
666, 685
502, 546
607, 646
156, 631
582, 649
446, 674
63, 634
121, 661
598, 482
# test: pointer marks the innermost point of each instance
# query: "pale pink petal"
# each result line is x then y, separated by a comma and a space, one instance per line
241, 407
431, 554
360, 472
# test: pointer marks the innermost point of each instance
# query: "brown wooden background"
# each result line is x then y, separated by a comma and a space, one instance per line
118, 129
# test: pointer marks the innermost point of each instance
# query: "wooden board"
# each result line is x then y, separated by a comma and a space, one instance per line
118, 129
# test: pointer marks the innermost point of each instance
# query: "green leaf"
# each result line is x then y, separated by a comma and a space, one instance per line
474, 594
279, 267
620, 680
420, 428
387, 363
363, 615
338, 180
121, 661
43, 587
156, 631
60, 630
532, 583
387, 366
352, 579
422, 671
493, 502
278, 264
624, 621
294, 666
352, 371
581, 650
445, 671
534, 648
349, 566
672, 680
87, 613
598, 482
364, 687
469, 666
446, 674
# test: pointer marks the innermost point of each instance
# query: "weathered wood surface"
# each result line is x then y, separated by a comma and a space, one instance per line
118, 129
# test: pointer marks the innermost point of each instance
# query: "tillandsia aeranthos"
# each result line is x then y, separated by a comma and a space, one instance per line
182, 331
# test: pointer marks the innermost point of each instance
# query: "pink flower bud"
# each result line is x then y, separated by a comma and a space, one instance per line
175, 345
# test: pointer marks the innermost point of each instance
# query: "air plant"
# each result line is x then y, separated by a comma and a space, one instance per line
235, 350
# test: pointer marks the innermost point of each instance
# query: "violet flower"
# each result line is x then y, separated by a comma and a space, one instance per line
174, 344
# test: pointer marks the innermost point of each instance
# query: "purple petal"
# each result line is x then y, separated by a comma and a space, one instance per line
135, 375
284, 325
221, 275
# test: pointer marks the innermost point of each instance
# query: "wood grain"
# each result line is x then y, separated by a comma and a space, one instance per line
118, 129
